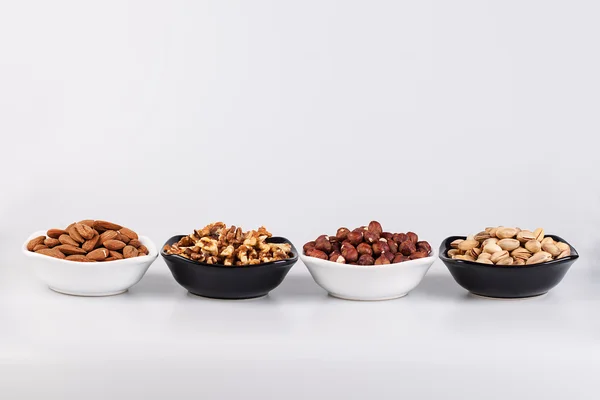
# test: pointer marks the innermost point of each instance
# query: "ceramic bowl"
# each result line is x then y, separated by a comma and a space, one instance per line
509, 282
89, 278
229, 282
356, 282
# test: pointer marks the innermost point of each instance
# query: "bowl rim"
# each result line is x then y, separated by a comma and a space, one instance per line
432, 256
152, 253
444, 249
288, 261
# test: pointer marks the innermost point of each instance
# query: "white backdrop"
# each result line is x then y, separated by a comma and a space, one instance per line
433, 116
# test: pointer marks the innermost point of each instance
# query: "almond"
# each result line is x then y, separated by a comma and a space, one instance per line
130, 252
69, 250
55, 233
143, 249
102, 226
34, 242
114, 244
51, 252
123, 239
108, 235
72, 231
129, 233
98, 254
66, 239
88, 222
116, 254
135, 243
85, 231
111, 258
77, 257
40, 247
90, 244
51, 242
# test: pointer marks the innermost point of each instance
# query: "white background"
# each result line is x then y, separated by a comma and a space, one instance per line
434, 116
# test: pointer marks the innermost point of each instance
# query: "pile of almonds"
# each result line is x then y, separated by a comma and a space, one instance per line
508, 246
368, 245
89, 241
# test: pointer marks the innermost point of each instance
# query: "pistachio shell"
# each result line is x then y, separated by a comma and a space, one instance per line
521, 254
481, 236
562, 246
551, 248
539, 234
456, 242
505, 261
492, 248
464, 258
547, 240
499, 256
509, 244
484, 256
488, 241
454, 252
539, 257
533, 246
518, 261
485, 261
506, 233
525, 236
564, 253
468, 244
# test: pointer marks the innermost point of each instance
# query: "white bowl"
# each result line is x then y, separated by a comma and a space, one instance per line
89, 278
369, 282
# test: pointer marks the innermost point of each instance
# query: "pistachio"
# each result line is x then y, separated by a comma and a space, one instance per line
474, 252
468, 244
518, 261
506, 233
539, 234
453, 252
563, 246
484, 261
525, 236
488, 241
539, 257
481, 236
505, 261
547, 240
492, 232
564, 253
456, 242
492, 248
464, 258
551, 248
533, 246
521, 254
484, 256
509, 244
499, 256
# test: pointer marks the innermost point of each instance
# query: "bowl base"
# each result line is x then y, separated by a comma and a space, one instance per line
339, 296
507, 298
227, 298
80, 294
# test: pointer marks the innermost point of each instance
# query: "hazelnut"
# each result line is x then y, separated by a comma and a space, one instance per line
336, 246
398, 258
322, 243
349, 253
380, 246
364, 248
342, 234
412, 237
366, 259
393, 246
370, 237
317, 254
308, 247
355, 238
361, 229
375, 227
387, 235
399, 237
424, 246
417, 255
382, 260
389, 255
337, 257
407, 247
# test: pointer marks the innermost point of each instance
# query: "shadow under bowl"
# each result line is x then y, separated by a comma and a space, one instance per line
508, 282
229, 282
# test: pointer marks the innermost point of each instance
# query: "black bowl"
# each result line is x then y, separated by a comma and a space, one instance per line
509, 282
229, 282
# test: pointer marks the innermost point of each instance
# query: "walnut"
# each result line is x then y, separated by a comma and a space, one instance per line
217, 244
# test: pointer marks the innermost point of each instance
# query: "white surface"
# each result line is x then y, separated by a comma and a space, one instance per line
89, 279
383, 282
441, 117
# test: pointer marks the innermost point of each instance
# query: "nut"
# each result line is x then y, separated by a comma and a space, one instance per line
509, 244
337, 257
382, 260
355, 238
484, 261
322, 243
375, 227
412, 237
407, 248
539, 257
371, 237
316, 253
492, 248
454, 244
525, 236
506, 233
34, 242
364, 248
481, 236
380, 246
505, 261
79, 242
539, 234
533, 246
496, 257
342, 234
349, 252
306, 248
551, 248
366, 259
468, 244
